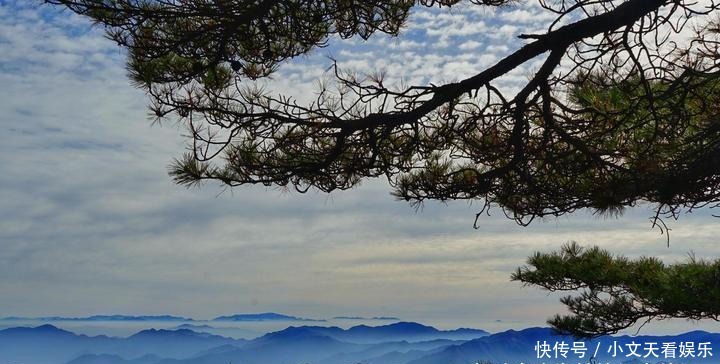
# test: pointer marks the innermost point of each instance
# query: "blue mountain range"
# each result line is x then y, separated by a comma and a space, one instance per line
409, 331
376, 318
398, 343
156, 318
49, 344
267, 316
527, 346
193, 327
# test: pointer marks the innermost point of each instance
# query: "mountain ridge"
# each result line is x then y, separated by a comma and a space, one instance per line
308, 344
265, 316
102, 318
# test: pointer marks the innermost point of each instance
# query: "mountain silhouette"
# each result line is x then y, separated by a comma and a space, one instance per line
519, 346
267, 316
408, 331
101, 318
21, 345
113, 359
48, 344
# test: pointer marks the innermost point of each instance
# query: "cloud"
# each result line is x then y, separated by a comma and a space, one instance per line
91, 223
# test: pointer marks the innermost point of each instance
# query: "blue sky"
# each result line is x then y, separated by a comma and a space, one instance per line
91, 223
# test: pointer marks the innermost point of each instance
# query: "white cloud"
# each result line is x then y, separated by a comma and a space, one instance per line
468, 45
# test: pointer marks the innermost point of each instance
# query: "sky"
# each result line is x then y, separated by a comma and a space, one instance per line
90, 222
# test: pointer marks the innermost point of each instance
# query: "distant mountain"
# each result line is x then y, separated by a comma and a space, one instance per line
267, 316
174, 343
520, 346
49, 344
113, 359
288, 346
21, 345
216, 350
390, 353
408, 331
378, 318
332, 345
193, 327
395, 357
101, 318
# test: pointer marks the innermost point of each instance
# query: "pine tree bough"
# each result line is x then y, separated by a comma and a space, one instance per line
615, 292
620, 112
